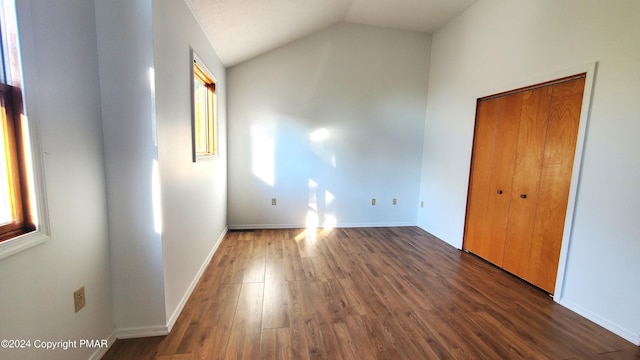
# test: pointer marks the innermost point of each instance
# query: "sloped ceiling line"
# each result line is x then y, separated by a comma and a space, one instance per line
242, 29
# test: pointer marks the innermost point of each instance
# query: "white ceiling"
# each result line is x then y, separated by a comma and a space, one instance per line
242, 29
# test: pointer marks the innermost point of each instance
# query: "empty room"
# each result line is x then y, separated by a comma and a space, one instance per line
333, 179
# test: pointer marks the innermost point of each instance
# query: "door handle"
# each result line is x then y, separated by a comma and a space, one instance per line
499, 192
523, 196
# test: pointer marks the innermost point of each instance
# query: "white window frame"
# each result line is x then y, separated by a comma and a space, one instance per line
35, 168
213, 154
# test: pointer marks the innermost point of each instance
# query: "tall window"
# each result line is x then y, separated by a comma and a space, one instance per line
17, 209
204, 127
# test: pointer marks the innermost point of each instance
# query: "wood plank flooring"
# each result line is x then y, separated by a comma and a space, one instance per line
367, 293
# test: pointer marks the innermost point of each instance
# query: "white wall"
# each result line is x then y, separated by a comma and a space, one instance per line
125, 48
60, 62
364, 88
498, 42
88, 74
194, 195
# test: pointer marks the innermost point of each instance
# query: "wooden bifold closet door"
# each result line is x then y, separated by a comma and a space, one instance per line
524, 144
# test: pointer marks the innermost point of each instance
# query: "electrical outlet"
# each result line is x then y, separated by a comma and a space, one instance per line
78, 299
273, 201
395, 201
373, 201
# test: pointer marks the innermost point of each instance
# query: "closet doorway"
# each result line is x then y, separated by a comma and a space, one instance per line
521, 167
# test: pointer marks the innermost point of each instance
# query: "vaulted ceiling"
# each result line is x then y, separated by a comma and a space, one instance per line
242, 29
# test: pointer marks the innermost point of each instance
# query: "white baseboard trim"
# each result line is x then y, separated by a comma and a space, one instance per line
176, 313
148, 331
139, 332
607, 324
99, 353
303, 226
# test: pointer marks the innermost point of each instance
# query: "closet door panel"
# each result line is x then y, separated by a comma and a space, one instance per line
506, 140
526, 179
555, 181
476, 233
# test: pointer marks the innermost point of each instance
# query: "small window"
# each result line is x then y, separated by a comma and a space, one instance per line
17, 213
23, 215
204, 123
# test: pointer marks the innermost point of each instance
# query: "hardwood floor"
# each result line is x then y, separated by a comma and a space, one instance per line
367, 293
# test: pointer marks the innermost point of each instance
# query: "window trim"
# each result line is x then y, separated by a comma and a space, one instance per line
199, 71
21, 55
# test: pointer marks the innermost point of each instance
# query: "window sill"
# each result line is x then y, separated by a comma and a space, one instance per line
21, 243
206, 157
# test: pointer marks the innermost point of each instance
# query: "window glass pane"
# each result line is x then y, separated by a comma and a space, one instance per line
204, 101
6, 205
200, 97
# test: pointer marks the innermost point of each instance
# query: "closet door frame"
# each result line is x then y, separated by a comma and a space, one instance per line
590, 70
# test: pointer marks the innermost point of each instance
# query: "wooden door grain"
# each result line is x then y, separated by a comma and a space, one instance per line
476, 233
522, 159
506, 141
555, 180
526, 179
490, 195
